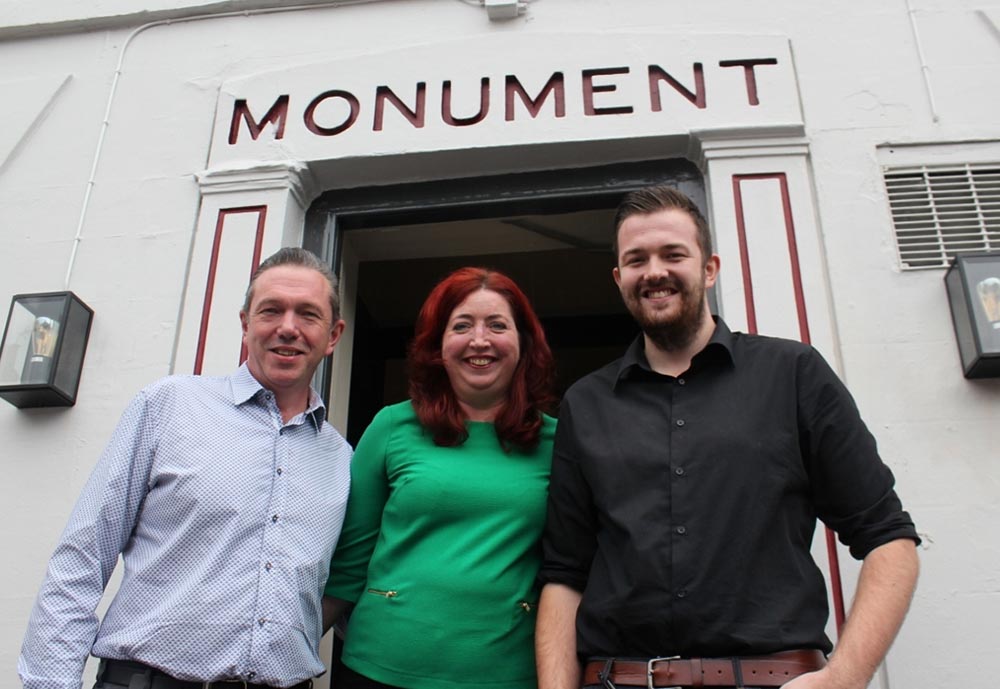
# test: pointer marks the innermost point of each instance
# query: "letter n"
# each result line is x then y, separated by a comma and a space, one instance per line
657, 74
414, 116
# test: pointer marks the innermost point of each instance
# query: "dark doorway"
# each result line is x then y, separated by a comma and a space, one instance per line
571, 290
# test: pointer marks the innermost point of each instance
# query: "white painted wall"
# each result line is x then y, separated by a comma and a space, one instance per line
861, 86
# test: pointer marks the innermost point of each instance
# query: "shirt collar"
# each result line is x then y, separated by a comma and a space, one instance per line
720, 346
245, 388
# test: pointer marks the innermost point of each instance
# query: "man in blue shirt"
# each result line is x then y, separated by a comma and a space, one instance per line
224, 497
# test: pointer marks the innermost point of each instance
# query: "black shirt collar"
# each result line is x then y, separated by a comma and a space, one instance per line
719, 348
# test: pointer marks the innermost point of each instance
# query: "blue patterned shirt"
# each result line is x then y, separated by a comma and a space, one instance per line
225, 518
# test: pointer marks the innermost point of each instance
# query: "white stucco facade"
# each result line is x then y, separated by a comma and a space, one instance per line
128, 174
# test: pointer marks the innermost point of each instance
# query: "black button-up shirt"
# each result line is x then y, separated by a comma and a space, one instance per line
684, 507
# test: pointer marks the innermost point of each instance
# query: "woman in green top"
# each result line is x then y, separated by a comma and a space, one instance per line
440, 546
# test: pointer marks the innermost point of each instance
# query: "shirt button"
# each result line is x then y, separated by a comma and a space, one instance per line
681, 530
679, 471
682, 593
274, 519
251, 675
268, 566
681, 381
261, 621
280, 470
680, 422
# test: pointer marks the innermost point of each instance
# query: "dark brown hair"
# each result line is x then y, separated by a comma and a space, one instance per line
658, 198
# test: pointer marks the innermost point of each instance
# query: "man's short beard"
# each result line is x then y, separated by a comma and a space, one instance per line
677, 334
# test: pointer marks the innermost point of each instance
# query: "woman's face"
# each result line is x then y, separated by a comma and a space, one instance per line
480, 348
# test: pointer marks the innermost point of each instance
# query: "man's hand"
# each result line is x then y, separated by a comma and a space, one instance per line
821, 679
333, 610
885, 587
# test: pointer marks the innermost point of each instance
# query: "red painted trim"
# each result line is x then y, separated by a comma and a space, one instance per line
836, 584
793, 249
206, 309
793, 257
741, 233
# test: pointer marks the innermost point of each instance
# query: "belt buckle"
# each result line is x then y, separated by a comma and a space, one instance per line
650, 669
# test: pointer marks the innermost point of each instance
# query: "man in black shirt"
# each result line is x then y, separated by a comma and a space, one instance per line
686, 484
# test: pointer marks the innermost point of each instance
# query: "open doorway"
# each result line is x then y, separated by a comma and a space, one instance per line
549, 231
565, 273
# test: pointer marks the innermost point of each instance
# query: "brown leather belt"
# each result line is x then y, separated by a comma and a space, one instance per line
750, 671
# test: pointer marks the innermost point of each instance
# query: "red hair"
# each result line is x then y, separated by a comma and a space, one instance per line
519, 420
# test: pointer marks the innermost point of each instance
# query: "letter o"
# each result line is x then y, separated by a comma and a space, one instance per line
309, 115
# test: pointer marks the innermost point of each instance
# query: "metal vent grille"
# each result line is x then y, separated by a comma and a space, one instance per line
941, 211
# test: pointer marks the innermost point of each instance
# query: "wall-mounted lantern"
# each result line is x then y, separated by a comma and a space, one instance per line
41, 354
973, 284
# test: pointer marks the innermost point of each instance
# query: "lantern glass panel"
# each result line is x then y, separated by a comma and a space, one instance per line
29, 347
973, 284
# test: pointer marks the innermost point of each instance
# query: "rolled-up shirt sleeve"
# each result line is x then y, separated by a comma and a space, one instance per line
853, 489
569, 540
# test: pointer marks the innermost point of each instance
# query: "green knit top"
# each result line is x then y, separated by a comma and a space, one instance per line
440, 549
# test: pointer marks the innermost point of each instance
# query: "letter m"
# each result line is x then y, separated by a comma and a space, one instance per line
276, 116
